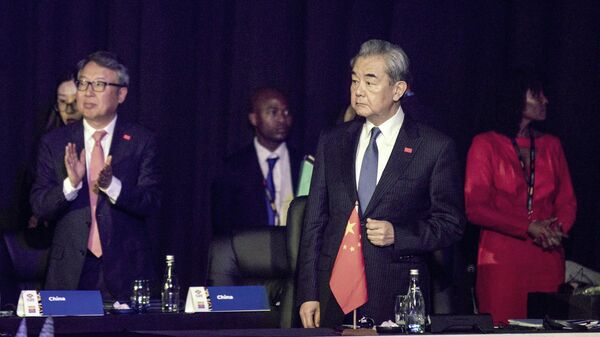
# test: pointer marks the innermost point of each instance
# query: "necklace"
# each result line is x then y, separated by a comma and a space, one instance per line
530, 181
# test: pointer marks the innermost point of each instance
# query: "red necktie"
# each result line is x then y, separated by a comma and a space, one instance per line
96, 165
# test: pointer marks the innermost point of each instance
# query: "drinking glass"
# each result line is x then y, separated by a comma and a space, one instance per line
400, 310
140, 296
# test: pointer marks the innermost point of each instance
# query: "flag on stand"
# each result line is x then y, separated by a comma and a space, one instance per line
348, 281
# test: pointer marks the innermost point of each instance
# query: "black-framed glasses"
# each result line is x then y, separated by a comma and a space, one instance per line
97, 86
62, 105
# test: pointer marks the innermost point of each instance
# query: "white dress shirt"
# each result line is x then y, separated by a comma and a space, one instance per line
385, 142
282, 176
114, 189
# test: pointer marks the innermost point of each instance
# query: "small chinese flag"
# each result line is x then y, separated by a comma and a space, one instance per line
348, 281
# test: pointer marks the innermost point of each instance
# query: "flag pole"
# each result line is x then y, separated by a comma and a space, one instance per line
354, 319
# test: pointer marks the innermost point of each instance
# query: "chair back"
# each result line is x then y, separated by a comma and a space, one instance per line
29, 263
295, 219
266, 256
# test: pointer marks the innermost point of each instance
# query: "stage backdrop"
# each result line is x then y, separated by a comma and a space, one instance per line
194, 63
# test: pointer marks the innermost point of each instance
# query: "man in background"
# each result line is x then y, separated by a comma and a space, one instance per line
257, 183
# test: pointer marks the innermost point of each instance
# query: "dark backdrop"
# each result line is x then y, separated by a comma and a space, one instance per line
193, 64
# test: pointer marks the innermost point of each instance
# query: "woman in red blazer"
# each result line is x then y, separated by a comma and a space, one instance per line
518, 189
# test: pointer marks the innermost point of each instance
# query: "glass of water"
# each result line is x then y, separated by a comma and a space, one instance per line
400, 310
140, 295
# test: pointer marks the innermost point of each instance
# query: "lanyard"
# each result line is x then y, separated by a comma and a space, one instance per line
531, 181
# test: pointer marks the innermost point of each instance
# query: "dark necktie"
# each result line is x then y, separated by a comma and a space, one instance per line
270, 194
368, 171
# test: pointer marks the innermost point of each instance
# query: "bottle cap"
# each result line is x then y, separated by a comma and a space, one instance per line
170, 258
414, 272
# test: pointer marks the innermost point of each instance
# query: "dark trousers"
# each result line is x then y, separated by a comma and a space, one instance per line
92, 276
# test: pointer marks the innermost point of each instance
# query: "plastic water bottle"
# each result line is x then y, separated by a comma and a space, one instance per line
415, 305
170, 290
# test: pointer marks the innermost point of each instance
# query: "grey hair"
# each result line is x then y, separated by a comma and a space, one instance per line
107, 60
395, 57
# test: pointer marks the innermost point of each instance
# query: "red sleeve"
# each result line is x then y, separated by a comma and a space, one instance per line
480, 193
565, 203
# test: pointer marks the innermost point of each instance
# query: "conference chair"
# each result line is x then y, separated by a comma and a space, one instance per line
295, 220
268, 256
29, 263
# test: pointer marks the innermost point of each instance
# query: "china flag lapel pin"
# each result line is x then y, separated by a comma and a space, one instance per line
408, 149
127, 137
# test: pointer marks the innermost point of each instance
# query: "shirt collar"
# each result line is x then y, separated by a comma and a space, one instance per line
390, 127
88, 130
264, 153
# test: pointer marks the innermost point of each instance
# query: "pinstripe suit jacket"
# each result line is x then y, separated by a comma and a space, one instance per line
420, 192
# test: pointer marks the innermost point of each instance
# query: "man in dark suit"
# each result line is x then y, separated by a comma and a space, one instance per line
406, 178
98, 179
241, 197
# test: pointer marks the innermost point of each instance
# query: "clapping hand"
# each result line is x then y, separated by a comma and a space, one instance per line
105, 176
74, 164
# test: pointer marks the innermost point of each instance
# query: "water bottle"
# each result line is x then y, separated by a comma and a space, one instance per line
170, 290
415, 305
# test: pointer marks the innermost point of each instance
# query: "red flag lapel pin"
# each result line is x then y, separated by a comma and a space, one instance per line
127, 137
408, 150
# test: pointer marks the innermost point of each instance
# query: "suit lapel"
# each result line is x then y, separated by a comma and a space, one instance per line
120, 140
403, 152
295, 162
349, 144
77, 137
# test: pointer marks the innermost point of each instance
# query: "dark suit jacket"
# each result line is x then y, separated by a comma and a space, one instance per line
126, 252
420, 192
238, 194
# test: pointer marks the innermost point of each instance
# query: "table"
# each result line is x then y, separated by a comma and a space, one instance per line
110, 323
240, 324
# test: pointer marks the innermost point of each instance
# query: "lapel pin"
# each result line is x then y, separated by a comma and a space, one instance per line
127, 137
408, 149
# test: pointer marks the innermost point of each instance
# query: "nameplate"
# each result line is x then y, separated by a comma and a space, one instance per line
60, 303
222, 299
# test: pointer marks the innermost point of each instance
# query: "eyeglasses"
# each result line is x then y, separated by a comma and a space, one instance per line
97, 86
62, 105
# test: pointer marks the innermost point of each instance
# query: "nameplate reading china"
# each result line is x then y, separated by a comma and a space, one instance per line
219, 299
60, 303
